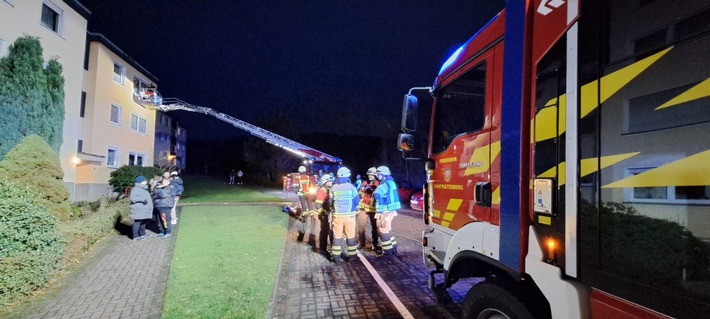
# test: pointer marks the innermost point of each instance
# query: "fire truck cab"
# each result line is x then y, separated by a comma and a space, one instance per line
568, 161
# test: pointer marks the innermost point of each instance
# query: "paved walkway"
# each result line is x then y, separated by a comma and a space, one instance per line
125, 279
118, 281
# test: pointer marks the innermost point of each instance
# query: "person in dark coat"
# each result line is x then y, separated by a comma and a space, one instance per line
141, 207
164, 202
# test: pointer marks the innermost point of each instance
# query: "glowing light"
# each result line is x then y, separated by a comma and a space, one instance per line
75, 160
451, 59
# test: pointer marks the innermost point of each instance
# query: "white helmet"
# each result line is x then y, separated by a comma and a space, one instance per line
301, 169
372, 171
343, 172
384, 170
326, 178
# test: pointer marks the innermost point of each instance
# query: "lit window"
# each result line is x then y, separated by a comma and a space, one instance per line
139, 124
115, 117
112, 157
119, 72
52, 17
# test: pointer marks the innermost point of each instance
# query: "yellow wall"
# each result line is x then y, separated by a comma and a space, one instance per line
98, 131
23, 17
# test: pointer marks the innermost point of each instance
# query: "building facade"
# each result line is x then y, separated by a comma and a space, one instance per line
116, 130
170, 143
61, 29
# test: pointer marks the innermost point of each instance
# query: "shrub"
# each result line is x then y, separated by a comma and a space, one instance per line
29, 246
34, 164
124, 177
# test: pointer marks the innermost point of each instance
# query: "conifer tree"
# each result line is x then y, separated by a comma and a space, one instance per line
31, 95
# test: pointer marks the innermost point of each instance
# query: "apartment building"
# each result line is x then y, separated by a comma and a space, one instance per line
61, 29
116, 130
170, 142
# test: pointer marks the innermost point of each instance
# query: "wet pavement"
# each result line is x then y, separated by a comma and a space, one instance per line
117, 281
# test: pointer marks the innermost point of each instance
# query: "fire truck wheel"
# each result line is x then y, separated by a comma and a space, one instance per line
489, 300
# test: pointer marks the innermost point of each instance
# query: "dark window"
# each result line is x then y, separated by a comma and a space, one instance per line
695, 24
460, 108
650, 42
80, 146
82, 109
643, 115
50, 18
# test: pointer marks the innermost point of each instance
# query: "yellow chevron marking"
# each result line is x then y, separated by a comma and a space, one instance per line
445, 224
545, 120
693, 170
588, 166
448, 216
437, 214
454, 204
495, 197
701, 90
484, 155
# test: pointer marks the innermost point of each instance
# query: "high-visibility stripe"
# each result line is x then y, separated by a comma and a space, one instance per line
698, 91
693, 170
454, 204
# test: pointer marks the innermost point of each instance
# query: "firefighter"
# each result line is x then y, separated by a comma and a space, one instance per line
345, 199
307, 211
387, 203
366, 210
324, 206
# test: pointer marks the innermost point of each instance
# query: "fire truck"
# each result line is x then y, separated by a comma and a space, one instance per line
568, 162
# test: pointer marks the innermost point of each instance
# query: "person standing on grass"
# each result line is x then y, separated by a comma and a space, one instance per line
232, 174
164, 202
240, 174
141, 207
178, 188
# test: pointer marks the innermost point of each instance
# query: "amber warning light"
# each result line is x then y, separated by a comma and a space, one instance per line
551, 247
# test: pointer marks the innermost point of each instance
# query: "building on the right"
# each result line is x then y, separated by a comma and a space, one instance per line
170, 143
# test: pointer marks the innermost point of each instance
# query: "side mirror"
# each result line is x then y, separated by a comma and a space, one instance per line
405, 143
410, 108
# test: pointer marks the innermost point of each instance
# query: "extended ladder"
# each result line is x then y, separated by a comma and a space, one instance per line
151, 99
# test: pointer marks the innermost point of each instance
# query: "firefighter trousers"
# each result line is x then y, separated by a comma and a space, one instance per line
384, 224
344, 230
362, 218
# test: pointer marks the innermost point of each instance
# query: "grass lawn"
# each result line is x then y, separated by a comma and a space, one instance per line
225, 262
206, 190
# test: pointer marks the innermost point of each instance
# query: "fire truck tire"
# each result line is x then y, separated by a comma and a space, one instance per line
489, 300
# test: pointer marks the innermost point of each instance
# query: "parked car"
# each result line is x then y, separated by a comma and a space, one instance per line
416, 201
404, 190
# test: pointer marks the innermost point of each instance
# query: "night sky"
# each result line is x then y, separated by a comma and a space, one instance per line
331, 66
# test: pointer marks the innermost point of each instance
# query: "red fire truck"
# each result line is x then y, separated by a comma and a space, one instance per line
568, 162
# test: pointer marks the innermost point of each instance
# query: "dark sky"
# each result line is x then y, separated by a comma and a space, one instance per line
336, 66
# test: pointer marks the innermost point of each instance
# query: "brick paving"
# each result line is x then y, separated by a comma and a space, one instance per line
127, 279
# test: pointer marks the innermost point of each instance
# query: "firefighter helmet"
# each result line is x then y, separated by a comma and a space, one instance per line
301, 169
343, 172
371, 171
326, 178
384, 170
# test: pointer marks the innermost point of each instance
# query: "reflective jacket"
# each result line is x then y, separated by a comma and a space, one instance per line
345, 198
386, 198
367, 202
324, 200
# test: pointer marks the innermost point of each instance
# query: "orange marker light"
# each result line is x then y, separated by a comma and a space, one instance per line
551, 246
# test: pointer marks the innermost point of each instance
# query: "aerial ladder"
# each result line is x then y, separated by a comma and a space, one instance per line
149, 98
